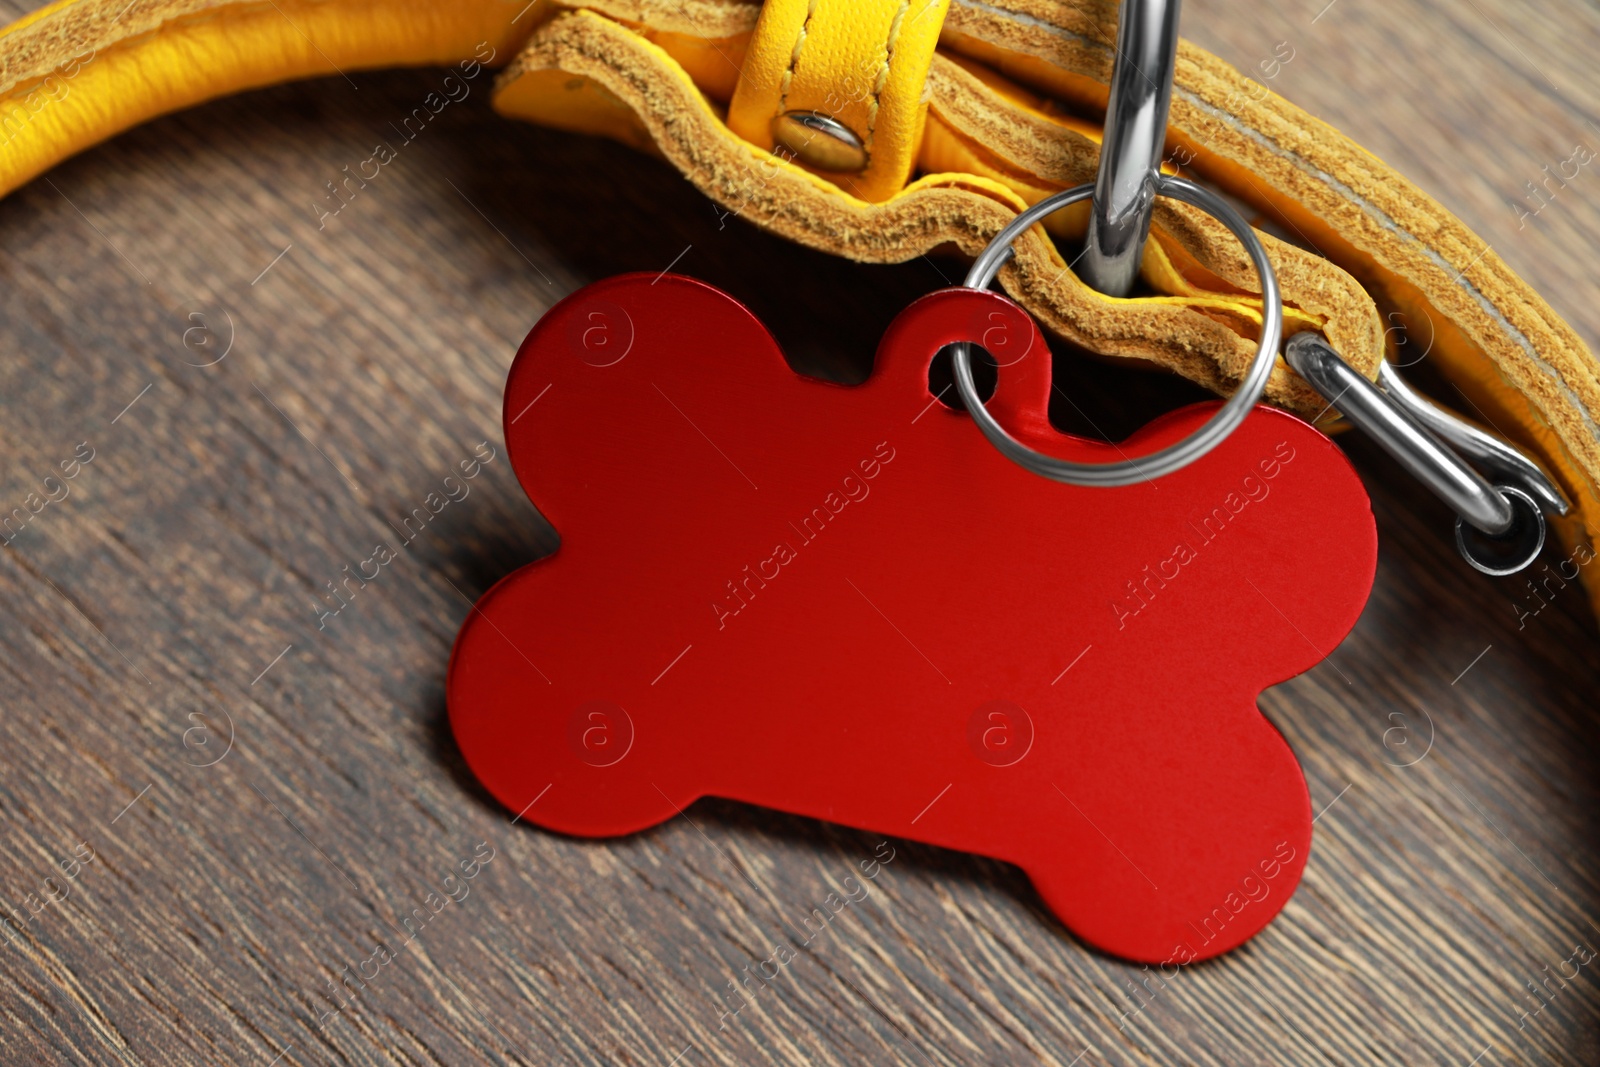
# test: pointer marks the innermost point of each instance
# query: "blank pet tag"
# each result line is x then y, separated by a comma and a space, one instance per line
842, 602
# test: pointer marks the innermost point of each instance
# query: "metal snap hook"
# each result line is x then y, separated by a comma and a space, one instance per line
1502, 462
1428, 459
1500, 528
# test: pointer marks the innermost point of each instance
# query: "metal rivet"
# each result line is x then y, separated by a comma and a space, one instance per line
820, 141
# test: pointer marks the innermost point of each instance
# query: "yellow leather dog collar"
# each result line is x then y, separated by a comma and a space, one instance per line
861, 65
970, 113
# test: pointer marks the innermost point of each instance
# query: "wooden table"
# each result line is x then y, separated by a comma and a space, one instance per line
168, 606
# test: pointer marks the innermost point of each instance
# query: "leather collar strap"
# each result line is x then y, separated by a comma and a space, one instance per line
1362, 255
863, 63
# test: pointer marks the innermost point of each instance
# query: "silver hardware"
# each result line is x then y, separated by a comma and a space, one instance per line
1401, 435
1514, 550
1503, 463
820, 140
1500, 527
1135, 137
1197, 444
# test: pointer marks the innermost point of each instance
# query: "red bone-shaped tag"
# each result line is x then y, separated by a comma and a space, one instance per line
845, 603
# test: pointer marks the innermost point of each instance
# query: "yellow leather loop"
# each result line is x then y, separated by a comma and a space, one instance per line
863, 63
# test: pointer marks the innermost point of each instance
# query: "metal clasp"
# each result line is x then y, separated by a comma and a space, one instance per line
1500, 526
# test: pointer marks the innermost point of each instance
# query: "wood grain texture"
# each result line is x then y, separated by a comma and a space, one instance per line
169, 603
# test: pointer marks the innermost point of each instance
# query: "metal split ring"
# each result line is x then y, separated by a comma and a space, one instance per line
1175, 456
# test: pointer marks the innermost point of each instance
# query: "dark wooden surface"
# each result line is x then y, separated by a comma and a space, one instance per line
168, 604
